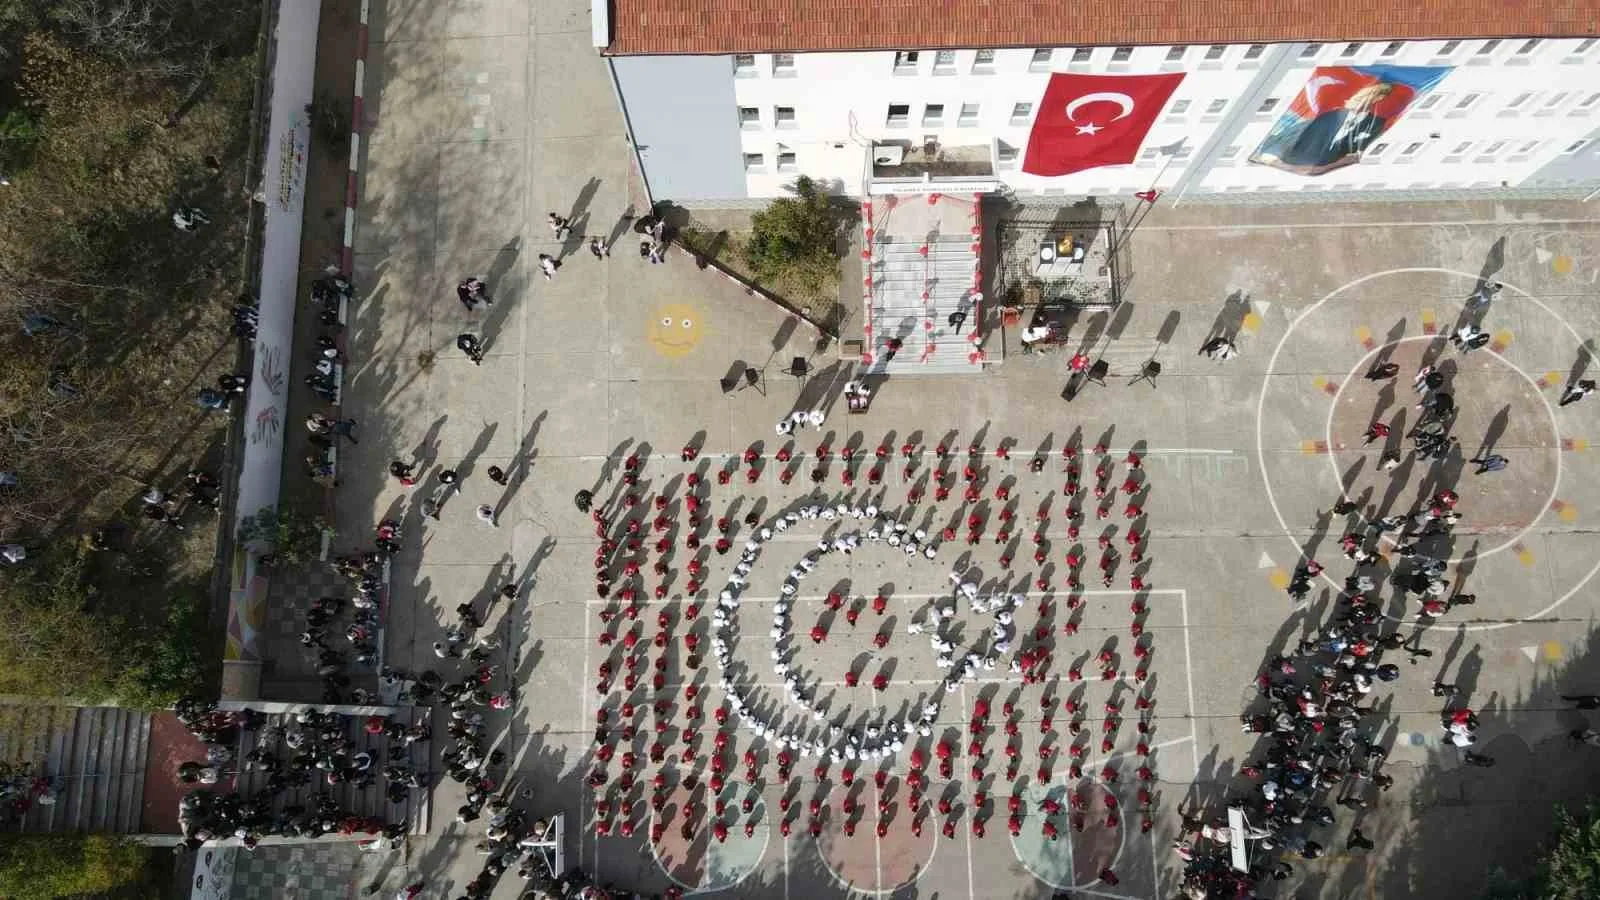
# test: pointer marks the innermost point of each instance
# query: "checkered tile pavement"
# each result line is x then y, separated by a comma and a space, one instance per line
312, 872
292, 672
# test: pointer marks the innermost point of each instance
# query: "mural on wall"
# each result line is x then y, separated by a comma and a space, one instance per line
1086, 121
1339, 113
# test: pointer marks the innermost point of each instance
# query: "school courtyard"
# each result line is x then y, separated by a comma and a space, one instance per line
482, 121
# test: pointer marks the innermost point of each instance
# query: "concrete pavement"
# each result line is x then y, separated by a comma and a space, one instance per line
489, 115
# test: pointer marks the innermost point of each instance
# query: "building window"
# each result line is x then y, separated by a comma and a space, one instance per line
1021, 113
783, 116
754, 161
749, 117
1490, 151
1148, 155
1411, 149
969, 115
1005, 155
783, 65
1556, 99
899, 115
1489, 47
1431, 100
1584, 46
905, 61
984, 61
1376, 150
1589, 102
1083, 55
1175, 54
1232, 151
1517, 102
1529, 46
1575, 146
1215, 107
786, 161
1179, 108
1448, 48
1215, 51
933, 114
1121, 54
1267, 105
1183, 153
1467, 101
1526, 150
744, 65
1391, 49
944, 62
1040, 61
1310, 51
1454, 156
1254, 51
1350, 50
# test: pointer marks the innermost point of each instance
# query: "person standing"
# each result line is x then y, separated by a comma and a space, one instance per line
598, 248
469, 344
403, 472
1494, 462
486, 514
1484, 294
321, 425
583, 500
498, 476
559, 226
549, 264
1577, 392
1377, 430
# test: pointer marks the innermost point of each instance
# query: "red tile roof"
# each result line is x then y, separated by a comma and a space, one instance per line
755, 26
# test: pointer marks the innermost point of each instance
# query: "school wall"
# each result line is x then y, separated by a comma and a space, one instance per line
1512, 114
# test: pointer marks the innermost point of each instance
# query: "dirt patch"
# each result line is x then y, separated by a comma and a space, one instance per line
819, 303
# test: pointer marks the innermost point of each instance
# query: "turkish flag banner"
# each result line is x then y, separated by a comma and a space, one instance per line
1086, 121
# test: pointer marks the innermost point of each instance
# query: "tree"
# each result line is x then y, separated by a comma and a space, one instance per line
292, 536
1570, 870
796, 238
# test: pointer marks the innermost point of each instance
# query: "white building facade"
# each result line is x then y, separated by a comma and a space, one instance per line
1517, 116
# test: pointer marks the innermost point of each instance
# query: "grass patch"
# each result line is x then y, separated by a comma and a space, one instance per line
111, 320
815, 294
53, 866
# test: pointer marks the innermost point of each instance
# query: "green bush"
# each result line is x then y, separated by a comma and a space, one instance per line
1570, 870
293, 536
51, 866
796, 238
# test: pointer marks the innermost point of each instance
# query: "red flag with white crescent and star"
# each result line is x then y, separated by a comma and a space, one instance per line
1086, 121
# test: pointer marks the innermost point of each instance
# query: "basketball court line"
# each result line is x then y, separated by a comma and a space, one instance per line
1272, 365
1031, 595
1555, 486
972, 890
866, 456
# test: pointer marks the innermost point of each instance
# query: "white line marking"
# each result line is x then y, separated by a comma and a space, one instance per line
1261, 403
1555, 484
966, 712
1032, 595
1188, 673
1304, 225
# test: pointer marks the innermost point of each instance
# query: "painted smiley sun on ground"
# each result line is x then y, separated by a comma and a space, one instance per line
675, 330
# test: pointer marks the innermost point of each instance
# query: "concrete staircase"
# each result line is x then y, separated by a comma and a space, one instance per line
370, 801
95, 755
901, 274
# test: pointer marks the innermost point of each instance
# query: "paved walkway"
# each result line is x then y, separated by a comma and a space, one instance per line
488, 116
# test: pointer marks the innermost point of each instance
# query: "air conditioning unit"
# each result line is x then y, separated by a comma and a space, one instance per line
888, 154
